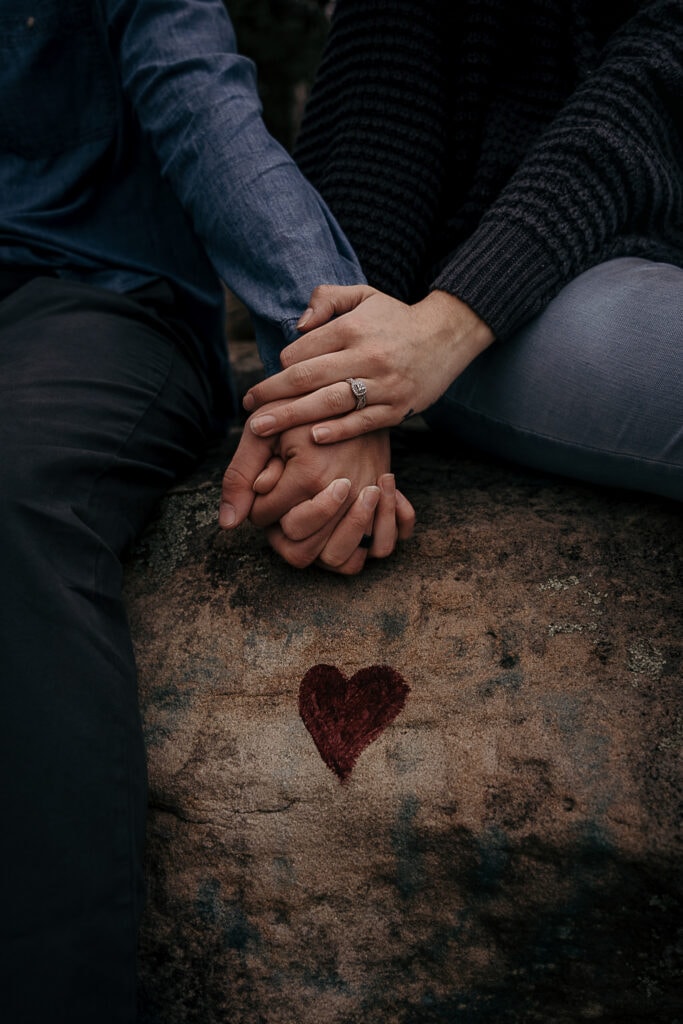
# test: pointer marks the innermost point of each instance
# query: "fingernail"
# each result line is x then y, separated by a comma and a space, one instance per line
227, 515
388, 484
304, 318
321, 434
340, 489
248, 401
370, 498
263, 424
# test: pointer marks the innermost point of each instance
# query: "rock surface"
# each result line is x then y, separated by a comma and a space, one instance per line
507, 850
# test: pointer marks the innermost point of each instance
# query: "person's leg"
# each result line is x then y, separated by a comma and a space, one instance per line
100, 411
591, 388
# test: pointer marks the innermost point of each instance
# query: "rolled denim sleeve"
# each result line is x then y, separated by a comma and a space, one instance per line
269, 235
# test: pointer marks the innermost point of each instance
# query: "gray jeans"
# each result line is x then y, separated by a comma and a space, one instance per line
591, 388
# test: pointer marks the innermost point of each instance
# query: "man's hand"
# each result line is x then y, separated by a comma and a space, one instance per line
307, 522
307, 469
252, 459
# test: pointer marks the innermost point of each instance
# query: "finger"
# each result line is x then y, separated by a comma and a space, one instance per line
267, 479
237, 492
292, 489
310, 516
362, 421
330, 300
405, 516
318, 371
296, 554
302, 553
330, 401
351, 567
385, 531
347, 536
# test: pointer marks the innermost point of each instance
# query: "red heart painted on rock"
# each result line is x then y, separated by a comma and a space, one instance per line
344, 715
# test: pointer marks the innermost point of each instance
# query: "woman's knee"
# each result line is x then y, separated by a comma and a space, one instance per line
595, 378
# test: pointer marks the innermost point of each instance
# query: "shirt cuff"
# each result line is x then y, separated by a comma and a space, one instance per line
271, 338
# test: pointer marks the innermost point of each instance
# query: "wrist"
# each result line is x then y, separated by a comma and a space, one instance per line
460, 331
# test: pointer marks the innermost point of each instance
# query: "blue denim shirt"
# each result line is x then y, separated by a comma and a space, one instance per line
132, 148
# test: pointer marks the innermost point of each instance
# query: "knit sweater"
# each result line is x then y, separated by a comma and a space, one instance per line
495, 149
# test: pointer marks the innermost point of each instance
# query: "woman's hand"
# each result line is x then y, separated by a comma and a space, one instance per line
406, 356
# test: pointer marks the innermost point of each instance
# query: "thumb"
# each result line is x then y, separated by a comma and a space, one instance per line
330, 300
237, 493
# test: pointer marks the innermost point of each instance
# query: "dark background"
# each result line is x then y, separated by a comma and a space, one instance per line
285, 39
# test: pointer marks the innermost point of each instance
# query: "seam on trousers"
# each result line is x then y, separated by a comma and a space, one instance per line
485, 418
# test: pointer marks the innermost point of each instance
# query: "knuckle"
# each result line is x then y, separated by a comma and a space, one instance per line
302, 377
299, 559
383, 549
290, 530
287, 416
378, 363
336, 400
298, 555
232, 478
290, 447
362, 522
367, 421
355, 330
331, 559
354, 565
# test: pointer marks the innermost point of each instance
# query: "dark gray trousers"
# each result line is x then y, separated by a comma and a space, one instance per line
101, 409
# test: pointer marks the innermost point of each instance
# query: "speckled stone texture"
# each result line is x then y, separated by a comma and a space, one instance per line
506, 851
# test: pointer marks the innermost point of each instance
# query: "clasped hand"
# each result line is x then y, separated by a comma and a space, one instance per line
317, 504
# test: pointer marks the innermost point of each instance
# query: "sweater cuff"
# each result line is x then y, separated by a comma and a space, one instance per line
505, 273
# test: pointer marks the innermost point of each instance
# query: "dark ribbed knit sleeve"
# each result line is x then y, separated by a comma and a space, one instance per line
604, 179
373, 139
